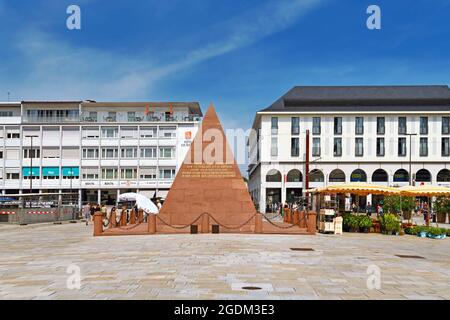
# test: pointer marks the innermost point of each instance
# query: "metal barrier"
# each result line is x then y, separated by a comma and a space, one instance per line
38, 215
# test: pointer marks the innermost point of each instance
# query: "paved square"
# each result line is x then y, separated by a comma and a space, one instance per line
34, 261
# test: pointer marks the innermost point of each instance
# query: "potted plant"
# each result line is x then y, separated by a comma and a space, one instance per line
398, 204
442, 207
354, 223
364, 223
390, 224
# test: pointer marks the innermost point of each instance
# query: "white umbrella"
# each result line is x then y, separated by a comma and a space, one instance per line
142, 202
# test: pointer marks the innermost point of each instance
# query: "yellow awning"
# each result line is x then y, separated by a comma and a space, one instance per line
358, 188
425, 190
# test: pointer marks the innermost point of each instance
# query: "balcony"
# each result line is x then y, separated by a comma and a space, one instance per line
139, 119
72, 119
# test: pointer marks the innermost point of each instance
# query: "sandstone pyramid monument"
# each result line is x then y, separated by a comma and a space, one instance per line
209, 180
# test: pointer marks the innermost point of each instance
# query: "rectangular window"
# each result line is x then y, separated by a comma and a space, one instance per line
110, 153
316, 147
337, 125
166, 174
109, 173
6, 113
274, 147
402, 147
147, 173
50, 153
111, 133
316, 125
295, 148
1, 154
381, 125
148, 152
12, 175
13, 135
359, 147
131, 116
295, 125
445, 147
148, 132
445, 125
337, 148
129, 132
359, 125
274, 125
423, 125
128, 174
112, 116
380, 147
423, 147
89, 173
402, 125
70, 153
31, 153
167, 132
167, 153
90, 153
90, 132
12, 154
128, 153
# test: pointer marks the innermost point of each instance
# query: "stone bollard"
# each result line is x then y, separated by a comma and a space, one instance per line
312, 221
132, 216
302, 223
288, 215
258, 223
98, 223
123, 218
140, 216
112, 220
295, 217
152, 223
205, 223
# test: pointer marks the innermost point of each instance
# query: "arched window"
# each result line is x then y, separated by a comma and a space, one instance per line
358, 176
379, 176
337, 175
294, 176
316, 176
423, 175
443, 176
273, 176
401, 175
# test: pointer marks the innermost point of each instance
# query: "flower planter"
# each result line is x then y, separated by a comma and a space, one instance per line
441, 217
407, 215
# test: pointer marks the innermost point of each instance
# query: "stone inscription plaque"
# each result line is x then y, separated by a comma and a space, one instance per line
208, 171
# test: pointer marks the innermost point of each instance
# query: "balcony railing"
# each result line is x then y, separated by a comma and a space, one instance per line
51, 119
148, 118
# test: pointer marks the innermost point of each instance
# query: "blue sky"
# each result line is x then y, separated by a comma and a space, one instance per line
242, 55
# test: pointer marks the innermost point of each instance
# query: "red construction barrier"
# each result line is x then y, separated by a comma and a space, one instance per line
40, 212
7, 212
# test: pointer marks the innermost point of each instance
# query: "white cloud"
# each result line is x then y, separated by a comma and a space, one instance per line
57, 70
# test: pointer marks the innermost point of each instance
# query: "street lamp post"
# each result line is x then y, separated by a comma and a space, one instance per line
410, 153
32, 154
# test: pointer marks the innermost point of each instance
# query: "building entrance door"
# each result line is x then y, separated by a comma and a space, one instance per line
293, 195
273, 199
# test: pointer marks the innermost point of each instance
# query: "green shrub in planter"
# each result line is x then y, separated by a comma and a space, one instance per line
412, 230
353, 223
442, 207
390, 224
448, 232
364, 223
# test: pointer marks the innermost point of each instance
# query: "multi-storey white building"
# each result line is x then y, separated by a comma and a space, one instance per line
369, 134
95, 149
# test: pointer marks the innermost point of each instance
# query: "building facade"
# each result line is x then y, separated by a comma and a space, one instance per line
377, 134
95, 149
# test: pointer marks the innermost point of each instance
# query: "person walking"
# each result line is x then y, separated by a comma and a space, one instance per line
87, 212
103, 210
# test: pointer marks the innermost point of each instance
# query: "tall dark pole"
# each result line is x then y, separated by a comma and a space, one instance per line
410, 154
307, 169
31, 154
